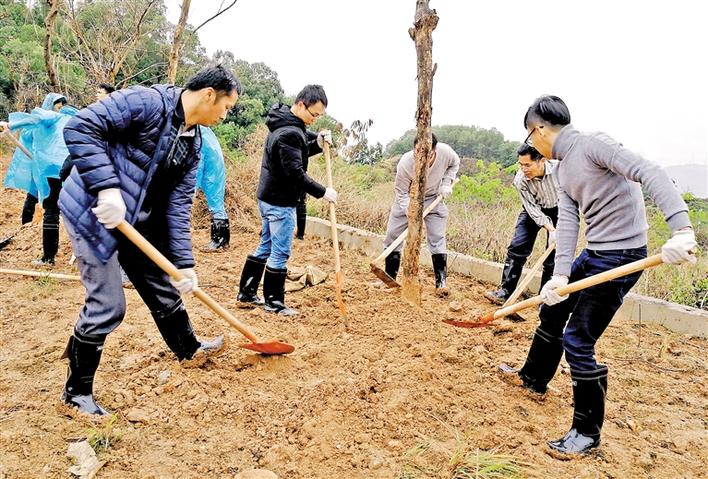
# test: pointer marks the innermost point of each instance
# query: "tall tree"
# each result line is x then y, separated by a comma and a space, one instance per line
179, 30
177, 41
422, 34
49, 21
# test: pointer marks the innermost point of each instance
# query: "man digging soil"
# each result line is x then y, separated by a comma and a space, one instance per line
283, 182
441, 172
135, 157
601, 179
536, 187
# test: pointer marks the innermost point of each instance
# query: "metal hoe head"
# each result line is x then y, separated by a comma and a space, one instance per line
381, 274
270, 349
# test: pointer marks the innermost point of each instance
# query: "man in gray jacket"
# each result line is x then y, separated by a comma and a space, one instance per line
601, 179
442, 170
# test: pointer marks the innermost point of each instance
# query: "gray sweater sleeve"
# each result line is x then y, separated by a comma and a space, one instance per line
567, 233
452, 169
609, 154
402, 186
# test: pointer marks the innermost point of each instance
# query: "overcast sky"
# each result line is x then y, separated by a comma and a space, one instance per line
634, 69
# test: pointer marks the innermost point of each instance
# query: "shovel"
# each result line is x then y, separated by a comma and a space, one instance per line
380, 273
593, 280
335, 241
6, 241
151, 252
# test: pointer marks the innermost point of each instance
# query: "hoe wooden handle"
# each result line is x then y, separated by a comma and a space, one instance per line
166, 266
520, 289
596, 279
17, 142
403, 235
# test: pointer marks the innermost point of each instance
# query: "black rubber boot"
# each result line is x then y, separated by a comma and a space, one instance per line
440, 269
220, 235
176, 330
28, 208
589, 392
393, 262
510, 278
274, 292
84, 356
301, 211
50, 245
542, 361
250, 279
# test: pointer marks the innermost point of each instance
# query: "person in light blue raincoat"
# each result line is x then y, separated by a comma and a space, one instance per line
42, 135
211, 179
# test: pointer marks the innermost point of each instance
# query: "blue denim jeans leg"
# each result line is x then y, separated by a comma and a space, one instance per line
276, 234
589, 312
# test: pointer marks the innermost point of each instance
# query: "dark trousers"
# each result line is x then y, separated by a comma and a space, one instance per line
525, 234
521, 247
50, 220
104, 306
587, 313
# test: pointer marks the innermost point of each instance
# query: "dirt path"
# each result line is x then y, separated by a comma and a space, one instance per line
345, 404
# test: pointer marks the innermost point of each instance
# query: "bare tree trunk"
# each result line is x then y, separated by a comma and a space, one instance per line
422, 34
49, 21
177, 42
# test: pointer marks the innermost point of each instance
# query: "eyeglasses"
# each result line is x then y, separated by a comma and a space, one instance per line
528, 138
314, 115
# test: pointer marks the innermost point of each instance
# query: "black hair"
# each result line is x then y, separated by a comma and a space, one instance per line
435, 141
548, 110
311, 94
107, 87
61, 99
216, 77
529, 150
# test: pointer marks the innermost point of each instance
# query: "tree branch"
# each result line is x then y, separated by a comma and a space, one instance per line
214, 16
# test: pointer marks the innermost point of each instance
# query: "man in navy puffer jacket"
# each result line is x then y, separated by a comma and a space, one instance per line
135, 156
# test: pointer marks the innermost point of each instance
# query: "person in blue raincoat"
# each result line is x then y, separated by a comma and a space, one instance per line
211, 179
42, 135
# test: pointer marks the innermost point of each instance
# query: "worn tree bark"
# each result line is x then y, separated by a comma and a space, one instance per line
177, 42
422, 34
49, 21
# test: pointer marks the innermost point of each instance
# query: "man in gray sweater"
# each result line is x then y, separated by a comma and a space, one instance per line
601, 179
443, 165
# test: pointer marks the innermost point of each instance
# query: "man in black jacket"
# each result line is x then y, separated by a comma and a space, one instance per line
283, 181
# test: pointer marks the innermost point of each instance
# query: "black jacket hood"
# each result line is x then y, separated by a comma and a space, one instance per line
280, 116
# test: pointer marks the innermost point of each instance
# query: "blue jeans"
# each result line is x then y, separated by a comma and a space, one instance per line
276, 234
589, 312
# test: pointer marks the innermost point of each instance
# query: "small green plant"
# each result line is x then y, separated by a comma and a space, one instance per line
104, 437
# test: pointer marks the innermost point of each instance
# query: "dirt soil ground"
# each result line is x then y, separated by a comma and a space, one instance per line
354, 403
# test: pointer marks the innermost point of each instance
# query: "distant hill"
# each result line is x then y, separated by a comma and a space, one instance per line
690, 178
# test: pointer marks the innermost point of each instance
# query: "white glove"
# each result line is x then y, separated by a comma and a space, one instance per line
551, 237
188, 284
110, 209
678, 249
322, 136
548, 295
330, 195
445, 191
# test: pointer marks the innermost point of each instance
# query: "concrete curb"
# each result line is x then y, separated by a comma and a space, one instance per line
676, 317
